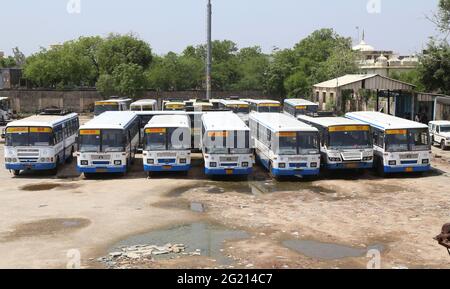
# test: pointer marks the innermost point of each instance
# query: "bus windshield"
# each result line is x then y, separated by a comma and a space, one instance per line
102, 141
296, 143
237, 142
99, 109
350, 139
161, 139
29, 137
274, 109
404, 140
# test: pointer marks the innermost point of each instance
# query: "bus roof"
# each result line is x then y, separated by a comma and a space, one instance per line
3, 98
144, 102
111, 120
441, 122
223, 121
42, 120
163, 121
113, 100
299, 101
279, 122
384, 121
330, 121
168, 112
261, 101
233, 102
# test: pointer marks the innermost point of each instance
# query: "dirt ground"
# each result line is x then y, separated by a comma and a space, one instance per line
43, 217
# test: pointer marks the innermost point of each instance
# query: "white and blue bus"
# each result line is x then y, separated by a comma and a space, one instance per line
144, 105
111, 105
344, 143
400, 145
299, 106
167, 144
264, 105
40, 142
239, 107
284, 145
108, 143
226, 145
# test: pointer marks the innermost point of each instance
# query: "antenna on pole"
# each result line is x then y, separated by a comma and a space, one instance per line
209, 51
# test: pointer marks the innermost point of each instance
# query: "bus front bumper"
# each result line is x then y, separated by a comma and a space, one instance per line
350, 166
291, 173
33, 166
411, 169
229, 172
94, 170
167, 168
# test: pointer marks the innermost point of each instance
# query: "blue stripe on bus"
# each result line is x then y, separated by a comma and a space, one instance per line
175, 168
290, 172
31, 166
416, 169
223, 172
93, 170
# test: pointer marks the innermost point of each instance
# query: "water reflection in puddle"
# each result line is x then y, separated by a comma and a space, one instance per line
328, 251
207, 238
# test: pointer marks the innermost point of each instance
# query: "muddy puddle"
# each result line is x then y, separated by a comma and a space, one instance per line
48, 187
204, 238
329, 251
183, 204
45, 227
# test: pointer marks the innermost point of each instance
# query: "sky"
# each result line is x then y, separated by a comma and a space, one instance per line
171, 25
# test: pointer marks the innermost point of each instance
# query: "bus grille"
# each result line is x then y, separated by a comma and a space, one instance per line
167, 161
229, 159
28, 153
229, 165
100, 157
409, 156
28, 160
351, 156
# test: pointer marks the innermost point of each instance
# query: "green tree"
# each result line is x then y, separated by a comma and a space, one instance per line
435, 67
252, 69
122, 49
412, 77
7, 62
126, 80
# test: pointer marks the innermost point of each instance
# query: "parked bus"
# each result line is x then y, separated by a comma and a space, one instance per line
440, 133
40, 142
344, 143
173, 105
144, 105
226, 144
239, 107
299, 106
167, 144
284, 145
259, 105
400, 145
108, 143
111, 105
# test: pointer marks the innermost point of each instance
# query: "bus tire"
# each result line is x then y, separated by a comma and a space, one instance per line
16, 172
55, 170
87, 175
380, 168
443, 145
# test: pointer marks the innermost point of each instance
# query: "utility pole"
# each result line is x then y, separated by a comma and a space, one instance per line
209, 51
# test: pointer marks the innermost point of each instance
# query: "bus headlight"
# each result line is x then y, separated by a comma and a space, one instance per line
117, 163
334, 159
313, 165
183, 161
245, 164
150, 161
392, 163
213, 165
425, 162
8, 160
282, 165
84, 163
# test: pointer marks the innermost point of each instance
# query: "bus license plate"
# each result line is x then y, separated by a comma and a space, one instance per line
409, 170
351, 166
101, 170
229, 172
167, 167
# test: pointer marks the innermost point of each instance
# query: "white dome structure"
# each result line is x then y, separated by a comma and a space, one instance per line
363, 47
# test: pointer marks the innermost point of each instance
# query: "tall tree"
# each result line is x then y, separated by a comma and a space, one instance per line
435, 67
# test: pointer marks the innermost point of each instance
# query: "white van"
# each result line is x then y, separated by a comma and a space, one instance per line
440, 133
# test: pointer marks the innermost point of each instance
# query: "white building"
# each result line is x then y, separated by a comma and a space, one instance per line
383, 62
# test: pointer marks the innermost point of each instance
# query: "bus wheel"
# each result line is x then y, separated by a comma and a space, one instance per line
55, 170
149, 175
443, 145
16, 172
380, 168
87, 176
